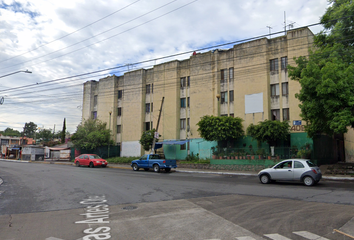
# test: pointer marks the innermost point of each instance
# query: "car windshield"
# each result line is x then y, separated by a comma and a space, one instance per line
310, 164
94, 157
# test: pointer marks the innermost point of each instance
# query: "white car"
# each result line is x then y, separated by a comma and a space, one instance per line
301, 170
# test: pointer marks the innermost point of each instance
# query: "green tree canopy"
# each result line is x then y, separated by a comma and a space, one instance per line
147, 139
44, 134
213, 128
326, 76
91, 134
269, 131
11, 132
30, 129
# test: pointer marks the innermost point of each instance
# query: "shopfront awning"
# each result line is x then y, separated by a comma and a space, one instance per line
176, 142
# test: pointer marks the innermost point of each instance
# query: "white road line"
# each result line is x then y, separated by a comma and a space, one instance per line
245, 238
276, 237
309, 235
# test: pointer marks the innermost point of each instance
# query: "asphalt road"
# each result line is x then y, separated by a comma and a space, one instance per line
53, 202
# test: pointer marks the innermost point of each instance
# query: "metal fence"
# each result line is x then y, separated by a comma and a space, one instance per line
262, 153
114, 151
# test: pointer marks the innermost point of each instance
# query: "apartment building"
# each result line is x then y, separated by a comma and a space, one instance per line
249, 81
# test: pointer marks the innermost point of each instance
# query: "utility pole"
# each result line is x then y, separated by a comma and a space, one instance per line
110, 113
157, 127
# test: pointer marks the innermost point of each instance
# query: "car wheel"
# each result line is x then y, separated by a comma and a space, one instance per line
308, 181
167, 169
146, 169
91, 165
264, 179
77, 164
135, 167
156, 168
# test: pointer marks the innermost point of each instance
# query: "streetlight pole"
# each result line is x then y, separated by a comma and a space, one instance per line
15, 73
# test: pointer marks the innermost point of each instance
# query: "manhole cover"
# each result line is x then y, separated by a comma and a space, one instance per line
129, 208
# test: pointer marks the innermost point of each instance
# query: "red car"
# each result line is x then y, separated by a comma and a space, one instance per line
91, 160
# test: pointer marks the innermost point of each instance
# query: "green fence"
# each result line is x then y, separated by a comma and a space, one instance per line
114, 151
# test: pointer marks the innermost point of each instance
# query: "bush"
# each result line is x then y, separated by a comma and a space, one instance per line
121, 159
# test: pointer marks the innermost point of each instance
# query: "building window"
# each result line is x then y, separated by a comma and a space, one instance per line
183, 82
274, 65
183, 147
183, 102
223, 97
223, 115
286, 116
188, 102
152, 88
284, 63
183, 123
231, 95
95, 101
119, 112
285, 88
152, 107
119, 128
276, 114
188, 123
232, 115
147, 126
147, 107
274, 90
188, 81
223, 75
94, 115
120, 94
231, 74
148, 89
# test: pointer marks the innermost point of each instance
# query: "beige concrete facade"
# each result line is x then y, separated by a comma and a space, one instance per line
251, 75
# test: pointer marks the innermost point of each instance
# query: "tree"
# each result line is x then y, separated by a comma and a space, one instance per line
269, 131
63, 132
11, 132
326, 76
44, 134
213, 128
30, 129
91, 134
147, 139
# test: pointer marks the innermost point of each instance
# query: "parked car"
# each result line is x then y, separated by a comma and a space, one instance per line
153, 161
90, 160
301, 170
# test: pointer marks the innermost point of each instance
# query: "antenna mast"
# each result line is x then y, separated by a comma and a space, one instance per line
270, 35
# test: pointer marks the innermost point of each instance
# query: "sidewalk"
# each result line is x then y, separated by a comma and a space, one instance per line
180, 168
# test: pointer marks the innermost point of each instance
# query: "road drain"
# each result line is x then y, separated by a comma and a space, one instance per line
129, 208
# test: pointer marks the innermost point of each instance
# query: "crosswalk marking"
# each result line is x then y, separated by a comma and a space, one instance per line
309, 235
245, 238
276, 237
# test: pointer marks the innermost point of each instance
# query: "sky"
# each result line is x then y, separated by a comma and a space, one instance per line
68, 42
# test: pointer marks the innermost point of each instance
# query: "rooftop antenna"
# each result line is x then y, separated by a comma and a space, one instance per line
270, 35
284, 23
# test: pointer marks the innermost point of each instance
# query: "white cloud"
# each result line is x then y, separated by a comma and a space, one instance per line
27, 25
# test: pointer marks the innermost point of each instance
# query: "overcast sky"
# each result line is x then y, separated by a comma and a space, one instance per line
61, 39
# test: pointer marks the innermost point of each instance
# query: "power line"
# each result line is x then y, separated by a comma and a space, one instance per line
71, 32
79, 49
